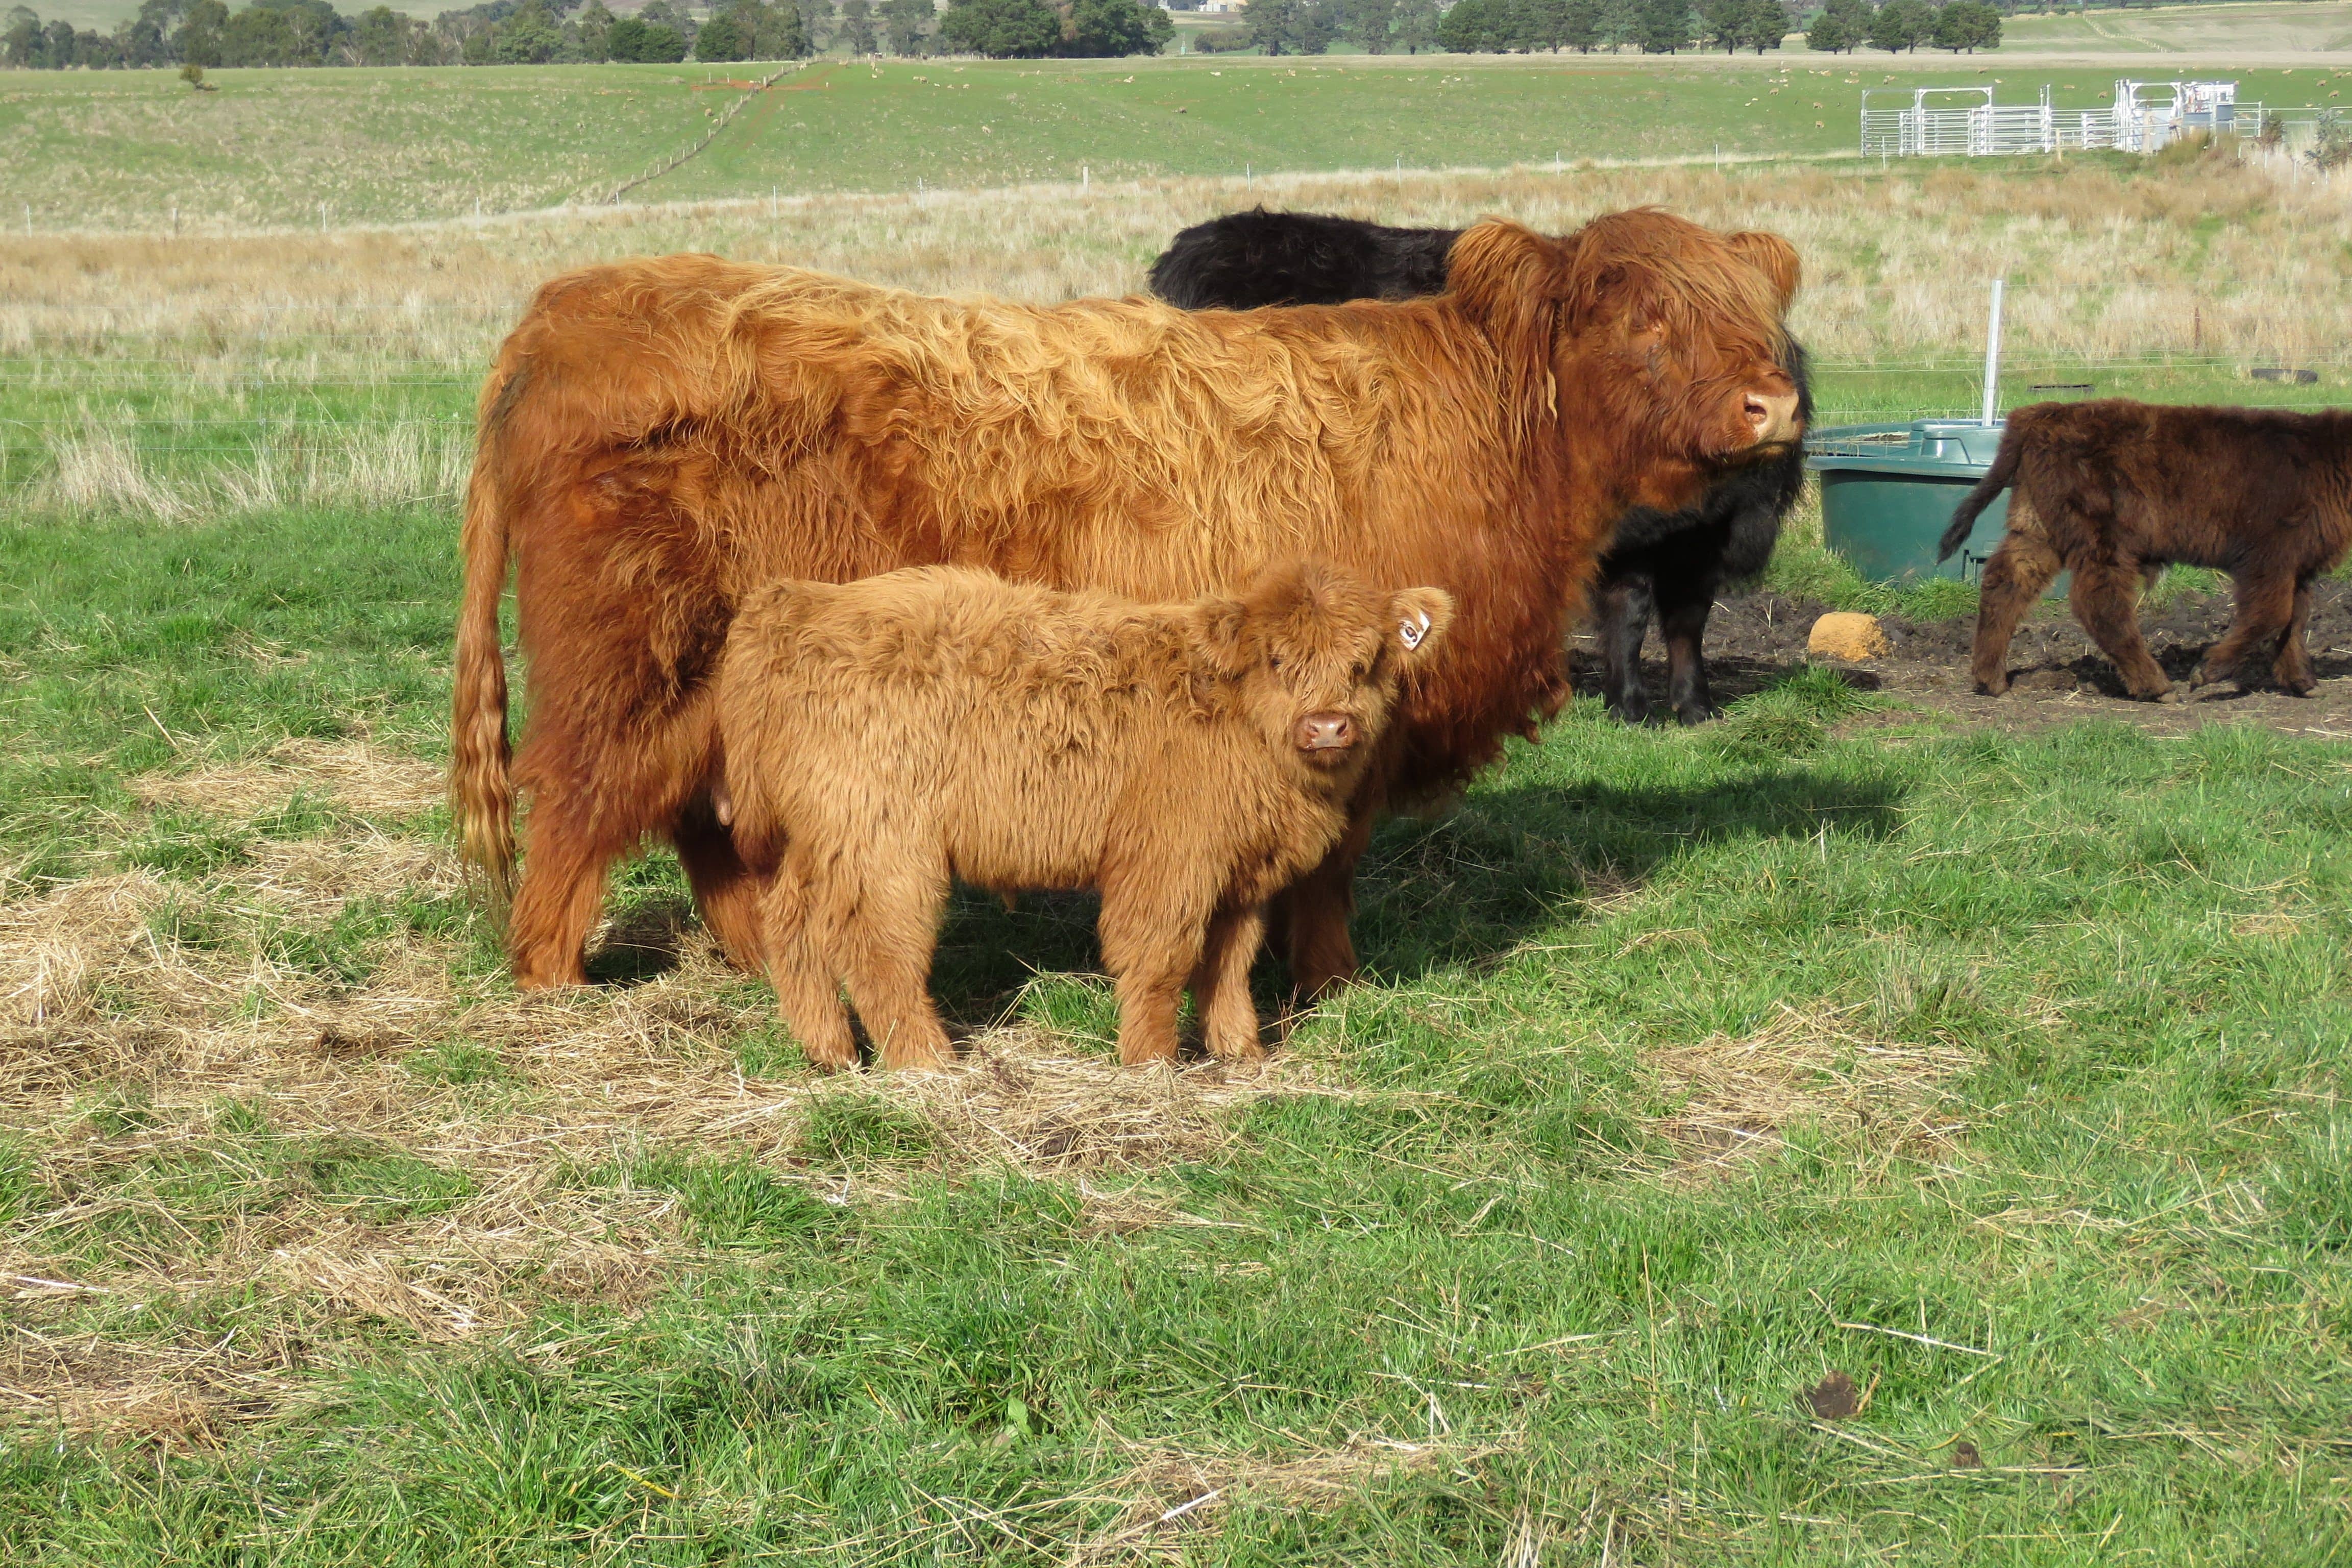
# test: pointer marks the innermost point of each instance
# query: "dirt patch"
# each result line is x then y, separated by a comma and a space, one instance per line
1756, 639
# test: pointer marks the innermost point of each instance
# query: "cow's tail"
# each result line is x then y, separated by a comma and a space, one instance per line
1997, 479
482, 789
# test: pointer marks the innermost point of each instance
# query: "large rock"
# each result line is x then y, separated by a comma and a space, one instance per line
1844, 634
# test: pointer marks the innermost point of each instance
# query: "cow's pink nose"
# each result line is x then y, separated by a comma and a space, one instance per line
1771, 416
1325, 733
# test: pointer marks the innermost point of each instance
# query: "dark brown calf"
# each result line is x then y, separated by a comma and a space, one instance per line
2113, 491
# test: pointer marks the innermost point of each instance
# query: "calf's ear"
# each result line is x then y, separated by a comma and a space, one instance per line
1773, 256
1421, 616
1221, 627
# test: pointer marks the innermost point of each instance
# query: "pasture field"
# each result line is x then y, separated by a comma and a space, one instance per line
177, 378
2220, 31
2000, 1069
125, 150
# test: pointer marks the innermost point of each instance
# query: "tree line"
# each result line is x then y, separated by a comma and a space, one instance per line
1900, 26
206, 34
1651, 27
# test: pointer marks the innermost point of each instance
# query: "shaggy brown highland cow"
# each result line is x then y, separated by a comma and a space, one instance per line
1189, 760
2115, 492
659, 440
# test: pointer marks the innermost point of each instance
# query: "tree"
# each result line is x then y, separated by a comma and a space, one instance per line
1001, 29
198, 41
1762, 25
1665, 26
1720, 21
1416, 25
528, 37
723, 38
24, 46
782, 33
1621, 23
1843, 27
596, 32
1901, 24
1294, 27
906, 25
1104, 29
1969, 25
637, 41
1579, 25
1471, 26
857, 30
1370, 24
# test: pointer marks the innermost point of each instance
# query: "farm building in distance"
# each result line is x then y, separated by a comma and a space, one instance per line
1941, 122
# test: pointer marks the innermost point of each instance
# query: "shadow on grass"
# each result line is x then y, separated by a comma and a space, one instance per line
1462, 889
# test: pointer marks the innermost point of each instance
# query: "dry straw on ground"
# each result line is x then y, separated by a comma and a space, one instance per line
1178, 1498
127, 1043
1817, 1067
123, 1049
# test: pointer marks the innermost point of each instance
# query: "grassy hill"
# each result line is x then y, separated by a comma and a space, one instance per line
124, 149
2266, 27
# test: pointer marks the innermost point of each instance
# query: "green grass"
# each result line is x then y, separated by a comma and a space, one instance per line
276, 146
2068, 1013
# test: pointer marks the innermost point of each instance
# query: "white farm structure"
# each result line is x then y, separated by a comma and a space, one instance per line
1963, 122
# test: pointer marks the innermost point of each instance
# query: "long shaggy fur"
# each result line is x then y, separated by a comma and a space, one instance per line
2115, 492
662, 438
1672, 560
1189, 760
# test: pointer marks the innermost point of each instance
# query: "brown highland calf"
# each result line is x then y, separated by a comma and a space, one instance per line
2113, 491
659, 440
1191, 760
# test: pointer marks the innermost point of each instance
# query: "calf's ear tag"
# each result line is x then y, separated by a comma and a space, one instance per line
1414, 630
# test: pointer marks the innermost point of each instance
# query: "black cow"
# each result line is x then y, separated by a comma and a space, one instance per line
1671, 563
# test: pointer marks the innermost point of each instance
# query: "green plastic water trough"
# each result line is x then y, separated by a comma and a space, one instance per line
1888, 491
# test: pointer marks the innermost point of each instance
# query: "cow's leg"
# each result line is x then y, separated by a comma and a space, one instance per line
2294, 668
727, 891
1684, 602
2014, 576
2265, 611
1221, 991
2106, 599
567, 854
1622, 611
1316, 910
883, 919
1154, 926
808, 987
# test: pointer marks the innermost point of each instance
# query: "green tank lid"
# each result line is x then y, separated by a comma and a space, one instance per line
1888, 492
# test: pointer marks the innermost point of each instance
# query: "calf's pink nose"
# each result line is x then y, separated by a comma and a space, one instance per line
1325, 733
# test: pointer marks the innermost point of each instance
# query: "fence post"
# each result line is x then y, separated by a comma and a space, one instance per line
1992, 354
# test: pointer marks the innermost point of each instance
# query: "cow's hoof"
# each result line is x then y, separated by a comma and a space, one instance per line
1992, 688
2170, 694
1691, 713
1633, 713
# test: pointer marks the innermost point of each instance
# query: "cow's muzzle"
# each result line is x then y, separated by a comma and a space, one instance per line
1325, 733
1771, 418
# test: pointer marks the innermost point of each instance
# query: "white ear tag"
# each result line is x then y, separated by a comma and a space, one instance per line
1414, 630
